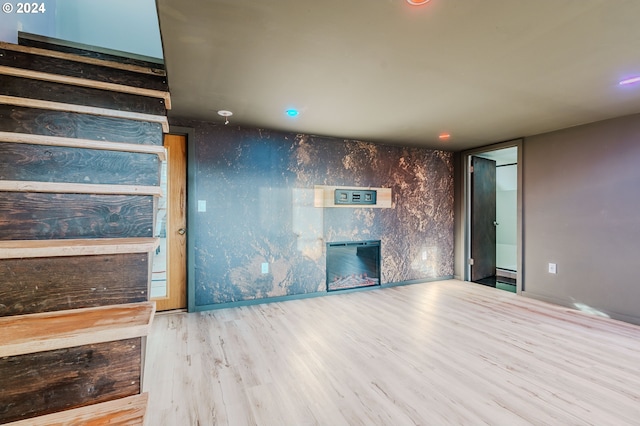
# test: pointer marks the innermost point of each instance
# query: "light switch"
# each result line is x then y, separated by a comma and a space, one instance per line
553, 268
202, 205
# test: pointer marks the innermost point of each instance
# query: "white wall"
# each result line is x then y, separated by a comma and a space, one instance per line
506, 216
126, 25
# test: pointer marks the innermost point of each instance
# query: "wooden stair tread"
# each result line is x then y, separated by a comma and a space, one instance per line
124, 411
84, 82
82, 59
90, 51
78, 188
38, 58
104, 112
25, 138
47, 122
25, 334
16, 249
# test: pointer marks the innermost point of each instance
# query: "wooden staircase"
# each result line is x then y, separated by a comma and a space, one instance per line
80, 153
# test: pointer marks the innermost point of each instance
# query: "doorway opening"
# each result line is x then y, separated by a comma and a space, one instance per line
493, 222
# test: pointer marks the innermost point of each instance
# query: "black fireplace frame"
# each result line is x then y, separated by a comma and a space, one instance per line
364, 247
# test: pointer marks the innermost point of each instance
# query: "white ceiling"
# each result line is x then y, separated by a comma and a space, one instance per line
384, 71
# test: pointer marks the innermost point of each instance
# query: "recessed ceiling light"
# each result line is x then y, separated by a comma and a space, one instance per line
291, 112
629, 81
444, 136
417, 2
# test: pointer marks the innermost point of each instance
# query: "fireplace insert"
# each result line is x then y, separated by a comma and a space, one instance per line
353, 264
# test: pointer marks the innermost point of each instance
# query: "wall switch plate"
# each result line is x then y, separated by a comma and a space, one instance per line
553, 268
265, 268
202, 205
424, 255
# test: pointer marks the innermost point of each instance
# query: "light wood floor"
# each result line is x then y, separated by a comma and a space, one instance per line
427, 354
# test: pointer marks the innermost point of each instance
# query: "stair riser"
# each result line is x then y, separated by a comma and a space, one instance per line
75, 125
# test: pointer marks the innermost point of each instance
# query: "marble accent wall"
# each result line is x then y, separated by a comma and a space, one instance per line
259, 189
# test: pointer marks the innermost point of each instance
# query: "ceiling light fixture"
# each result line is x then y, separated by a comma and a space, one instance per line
292, 112
444, 136
629, 81
226, 114
417, 2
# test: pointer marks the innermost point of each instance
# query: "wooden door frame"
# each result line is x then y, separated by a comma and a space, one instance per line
189, 134
463, 237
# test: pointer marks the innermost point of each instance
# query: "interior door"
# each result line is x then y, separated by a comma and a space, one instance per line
483, 218
174, 228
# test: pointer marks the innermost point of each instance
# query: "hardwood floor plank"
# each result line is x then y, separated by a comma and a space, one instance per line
435, 353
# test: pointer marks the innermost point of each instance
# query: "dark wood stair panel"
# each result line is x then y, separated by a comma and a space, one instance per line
47, 382
72, 165
75, 262
65, 93
162, 96
47, 43
45, 122
83, 59
68, 68
29, 286
41, 216
83, 109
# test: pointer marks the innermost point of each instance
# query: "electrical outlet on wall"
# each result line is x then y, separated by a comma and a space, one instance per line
553, 268
265, 268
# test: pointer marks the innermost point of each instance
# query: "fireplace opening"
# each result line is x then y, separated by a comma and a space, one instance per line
353, 264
